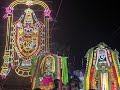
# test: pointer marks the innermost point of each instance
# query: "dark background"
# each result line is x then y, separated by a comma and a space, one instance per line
86, 23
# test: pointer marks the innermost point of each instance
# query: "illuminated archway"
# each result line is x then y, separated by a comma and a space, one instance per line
27, 37
27, 46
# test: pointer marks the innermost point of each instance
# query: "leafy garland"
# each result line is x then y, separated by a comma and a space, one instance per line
115, 61
88, 67
109, 78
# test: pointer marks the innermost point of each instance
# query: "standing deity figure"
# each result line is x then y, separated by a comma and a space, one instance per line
27, 36
102, 70
27, 45
24, 43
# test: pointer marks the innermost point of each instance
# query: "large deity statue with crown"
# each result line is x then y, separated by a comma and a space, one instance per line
102, 70
27, 37
27, 45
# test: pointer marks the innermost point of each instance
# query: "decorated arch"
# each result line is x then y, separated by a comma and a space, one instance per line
27, 46
27, 37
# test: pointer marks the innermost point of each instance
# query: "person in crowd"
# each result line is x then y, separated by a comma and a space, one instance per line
74, 85
56, 84
66, 86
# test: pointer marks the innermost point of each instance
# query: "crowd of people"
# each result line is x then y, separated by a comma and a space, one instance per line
73, 84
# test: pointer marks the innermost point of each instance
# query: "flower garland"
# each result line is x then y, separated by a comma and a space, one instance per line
90, 52
46, 83
116, 66
43, 64
114, 78
107, 81
94, 79
111, 70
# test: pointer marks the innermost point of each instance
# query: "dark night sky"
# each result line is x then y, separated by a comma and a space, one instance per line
83, 24
86, 23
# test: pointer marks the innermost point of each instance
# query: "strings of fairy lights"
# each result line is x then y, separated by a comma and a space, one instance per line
27, 47
10, 39
10, 49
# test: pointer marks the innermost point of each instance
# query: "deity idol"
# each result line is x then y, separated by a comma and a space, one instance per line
102, 70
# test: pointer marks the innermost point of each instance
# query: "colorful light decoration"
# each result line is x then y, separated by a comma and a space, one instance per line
47, 69
102, 70
27, 47
9, 11
29, 3
47, 13
27, 37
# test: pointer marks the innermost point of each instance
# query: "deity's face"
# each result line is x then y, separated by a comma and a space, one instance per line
102, 62
101, 54
28, 31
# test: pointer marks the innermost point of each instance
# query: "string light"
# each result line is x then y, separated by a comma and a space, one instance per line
18, 48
